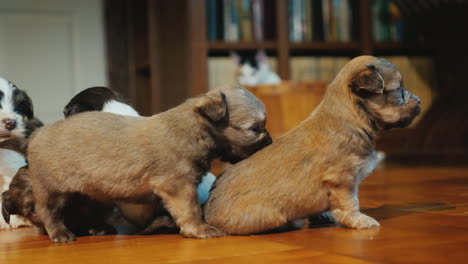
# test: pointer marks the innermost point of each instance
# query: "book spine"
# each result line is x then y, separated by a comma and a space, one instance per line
227, 19
297, 23
258, 19
317, 17
396, 22
326, 20
212, 20
235, 22
337, 20
269, 25
290, 20
245, 19
376, 21
309, 22
345, 21
219, 20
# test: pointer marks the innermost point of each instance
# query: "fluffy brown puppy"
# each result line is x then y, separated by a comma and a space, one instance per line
318, 165
114, 157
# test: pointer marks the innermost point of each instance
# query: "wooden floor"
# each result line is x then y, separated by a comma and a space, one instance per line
423, 213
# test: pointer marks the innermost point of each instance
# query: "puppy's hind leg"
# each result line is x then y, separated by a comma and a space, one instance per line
49, 207
180, 199
344, 205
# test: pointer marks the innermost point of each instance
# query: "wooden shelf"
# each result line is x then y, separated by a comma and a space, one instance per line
325, 45
221, 45
398, 48
395, 45
154, 45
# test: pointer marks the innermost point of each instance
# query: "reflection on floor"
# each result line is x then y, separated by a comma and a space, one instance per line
423, 212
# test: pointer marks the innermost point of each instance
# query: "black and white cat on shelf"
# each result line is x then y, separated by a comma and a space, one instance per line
254, 70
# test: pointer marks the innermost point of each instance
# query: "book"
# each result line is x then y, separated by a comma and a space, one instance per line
231, 21
245, 19
258, 19
344, 21
295, 20
317, 20
308, 22
381, 20
316, 68
221, 71
396, 23
219, 20
336, 20
212, 20
326, 20
269, 15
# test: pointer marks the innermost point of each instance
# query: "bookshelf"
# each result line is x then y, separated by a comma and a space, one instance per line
158, 54
284, 49
162, 35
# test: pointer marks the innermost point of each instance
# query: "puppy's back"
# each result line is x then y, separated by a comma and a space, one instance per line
261, 189
95, 144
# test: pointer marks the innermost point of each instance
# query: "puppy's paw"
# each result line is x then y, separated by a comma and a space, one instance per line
201, 231
102, 230
361, 221
63, 236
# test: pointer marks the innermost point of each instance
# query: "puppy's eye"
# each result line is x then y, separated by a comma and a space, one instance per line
255, 129
403, 95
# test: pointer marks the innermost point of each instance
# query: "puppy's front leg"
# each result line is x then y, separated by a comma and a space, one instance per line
344, 205
180, 199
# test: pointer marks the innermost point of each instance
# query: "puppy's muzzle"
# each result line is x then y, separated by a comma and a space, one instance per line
9, 124
265, 141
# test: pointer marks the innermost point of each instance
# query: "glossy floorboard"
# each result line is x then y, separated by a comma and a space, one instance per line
423, 213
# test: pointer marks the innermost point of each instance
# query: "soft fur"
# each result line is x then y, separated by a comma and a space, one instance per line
318, 165
18, 200
114, 157
98, 99
16, 123
82, 213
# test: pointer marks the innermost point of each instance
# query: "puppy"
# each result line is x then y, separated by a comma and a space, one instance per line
19, 200
132, 159
317, 166
98, 99
84, 216
16, 124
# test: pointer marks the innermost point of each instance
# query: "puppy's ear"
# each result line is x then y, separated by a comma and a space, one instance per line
369, 80
8, 207
213, 106
23, 103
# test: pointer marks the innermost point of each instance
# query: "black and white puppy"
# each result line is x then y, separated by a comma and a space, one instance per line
16, 124
98, 99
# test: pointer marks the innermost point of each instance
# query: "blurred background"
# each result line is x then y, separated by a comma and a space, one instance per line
156, 53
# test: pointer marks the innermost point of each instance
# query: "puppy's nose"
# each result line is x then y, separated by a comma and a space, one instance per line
10, 124
418, 101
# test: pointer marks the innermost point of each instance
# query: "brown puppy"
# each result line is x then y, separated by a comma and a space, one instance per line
318, 165
113, 157
82, 215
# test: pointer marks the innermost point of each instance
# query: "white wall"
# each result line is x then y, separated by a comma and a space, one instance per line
52, 49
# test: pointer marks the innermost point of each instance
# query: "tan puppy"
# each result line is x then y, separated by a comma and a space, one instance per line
114, 157
318, 165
